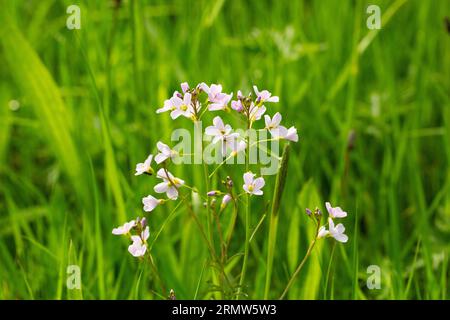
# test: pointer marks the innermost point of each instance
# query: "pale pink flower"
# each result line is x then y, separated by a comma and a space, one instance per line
150, 203
337, 232
264, 96
256, 112
139, 245
182, 107
164, 153
216, 97
169, 185
252, 185
335, 212
145, 166
125, 228
273, 123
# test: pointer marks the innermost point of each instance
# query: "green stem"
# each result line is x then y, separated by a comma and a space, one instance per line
247, 221
302, 263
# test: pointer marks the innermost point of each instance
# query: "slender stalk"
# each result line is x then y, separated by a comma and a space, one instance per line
273, 222
302, 263
156, 273
247, 219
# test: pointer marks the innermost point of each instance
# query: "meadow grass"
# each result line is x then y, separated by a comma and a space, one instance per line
77, 112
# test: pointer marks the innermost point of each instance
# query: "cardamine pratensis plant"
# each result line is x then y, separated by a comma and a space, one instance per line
230, 144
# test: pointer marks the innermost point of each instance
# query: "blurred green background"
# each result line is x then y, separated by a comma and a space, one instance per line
77, 112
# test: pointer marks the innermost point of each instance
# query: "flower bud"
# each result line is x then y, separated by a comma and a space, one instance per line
308, 212
226, 198
318, 213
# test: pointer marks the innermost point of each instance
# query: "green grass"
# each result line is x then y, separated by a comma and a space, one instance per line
87, 116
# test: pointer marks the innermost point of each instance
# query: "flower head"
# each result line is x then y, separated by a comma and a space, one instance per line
164, 153
182, 107
216, 97
222, 133
256, 112
169, 185
125, 228
337, 232
336, 212
273, 123
150, 203
237, 105
139, 245
252, 185
291, 134
218, 130
144, 167
264, 96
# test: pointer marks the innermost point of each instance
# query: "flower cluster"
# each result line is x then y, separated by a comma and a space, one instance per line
333, 231
138, 247
194, 103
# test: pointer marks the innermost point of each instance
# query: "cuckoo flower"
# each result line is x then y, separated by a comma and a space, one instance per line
219, 130
252, 185
169, 185
139, 245
144, 167
256, 112
216, 97
336, 212
182, 107
264, 96
290, 134
273, 123
164, 153
169, 103
150, 203
337, 232
125, 228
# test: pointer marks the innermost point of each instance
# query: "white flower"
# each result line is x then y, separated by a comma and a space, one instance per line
139, 245
336, 232
169, 185
291, 134
218, 99
323, 232
150, 203
278, 131
124, 229
164, 152
273, 123
252, 185
169, 103
219, 130
256, 112
283, 133
336, 212
144, 167
264, 96
182, 107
